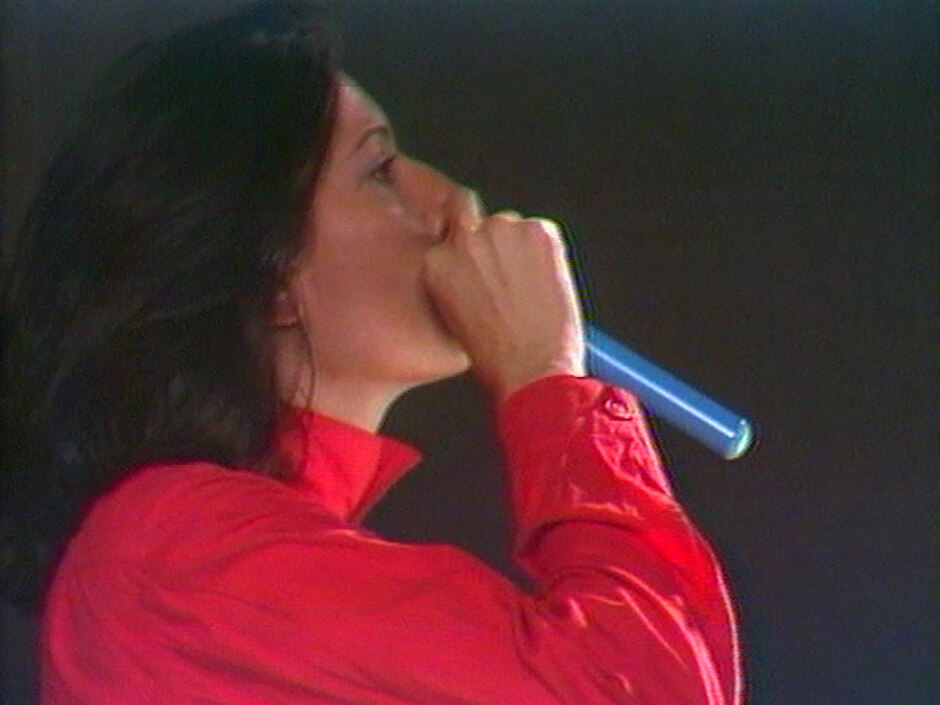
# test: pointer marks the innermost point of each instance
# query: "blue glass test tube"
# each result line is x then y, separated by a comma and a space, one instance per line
710, 423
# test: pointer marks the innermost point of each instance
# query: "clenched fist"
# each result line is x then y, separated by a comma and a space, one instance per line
503, 287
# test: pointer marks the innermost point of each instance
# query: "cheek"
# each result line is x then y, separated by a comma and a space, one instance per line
368, 260
364, 281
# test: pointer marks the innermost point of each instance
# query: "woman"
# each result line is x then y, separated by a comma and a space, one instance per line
227, 278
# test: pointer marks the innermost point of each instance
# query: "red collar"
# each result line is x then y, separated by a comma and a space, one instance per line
344, 468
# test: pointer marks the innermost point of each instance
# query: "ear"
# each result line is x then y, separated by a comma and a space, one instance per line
285, 312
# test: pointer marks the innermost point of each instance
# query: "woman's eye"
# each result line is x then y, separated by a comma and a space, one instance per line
384, 173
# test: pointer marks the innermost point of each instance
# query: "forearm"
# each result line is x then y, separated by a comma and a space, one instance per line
599, 531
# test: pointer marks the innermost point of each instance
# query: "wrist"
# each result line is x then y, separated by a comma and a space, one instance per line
506, 387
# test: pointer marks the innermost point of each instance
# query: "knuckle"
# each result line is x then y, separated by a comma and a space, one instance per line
548, 227
547, 231
506, 217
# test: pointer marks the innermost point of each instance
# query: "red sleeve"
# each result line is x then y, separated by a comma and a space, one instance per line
267, 601
613, 555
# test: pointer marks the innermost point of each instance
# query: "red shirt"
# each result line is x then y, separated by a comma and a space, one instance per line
193, 583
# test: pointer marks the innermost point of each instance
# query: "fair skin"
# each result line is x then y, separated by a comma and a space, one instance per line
403, 281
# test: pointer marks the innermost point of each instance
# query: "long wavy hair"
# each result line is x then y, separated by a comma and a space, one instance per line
137, 297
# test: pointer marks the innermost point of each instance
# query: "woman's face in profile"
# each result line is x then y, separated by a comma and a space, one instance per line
357, 284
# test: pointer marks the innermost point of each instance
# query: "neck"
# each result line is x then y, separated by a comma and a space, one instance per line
357, 403
355, 400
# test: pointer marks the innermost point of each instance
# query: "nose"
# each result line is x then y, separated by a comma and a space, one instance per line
441, 203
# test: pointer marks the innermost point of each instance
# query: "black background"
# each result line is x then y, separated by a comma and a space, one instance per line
750, 190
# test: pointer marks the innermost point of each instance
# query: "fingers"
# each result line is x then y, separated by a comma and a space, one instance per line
501, 224
465, 216
549, 227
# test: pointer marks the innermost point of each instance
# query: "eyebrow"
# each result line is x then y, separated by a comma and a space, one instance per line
384, 130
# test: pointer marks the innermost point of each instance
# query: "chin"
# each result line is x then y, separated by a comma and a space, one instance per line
443, 362
457, 364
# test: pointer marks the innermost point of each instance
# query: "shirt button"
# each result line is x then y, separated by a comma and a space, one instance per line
617, 408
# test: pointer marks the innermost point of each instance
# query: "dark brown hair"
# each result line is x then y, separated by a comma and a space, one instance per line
136, 301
